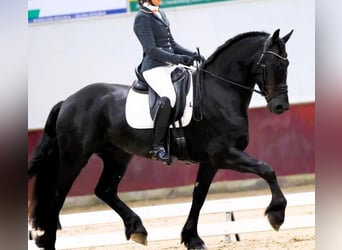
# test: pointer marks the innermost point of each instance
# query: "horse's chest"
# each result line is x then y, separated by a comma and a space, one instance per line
236, 139
235, 135
242, 141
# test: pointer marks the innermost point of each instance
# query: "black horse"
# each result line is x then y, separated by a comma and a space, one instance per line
92, 121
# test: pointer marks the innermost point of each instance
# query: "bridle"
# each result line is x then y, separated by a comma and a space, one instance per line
280, 89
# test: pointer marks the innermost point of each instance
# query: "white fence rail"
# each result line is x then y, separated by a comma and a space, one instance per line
182, 209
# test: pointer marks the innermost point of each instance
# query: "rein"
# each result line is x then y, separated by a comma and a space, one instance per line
232, 82
251, 89
197, 107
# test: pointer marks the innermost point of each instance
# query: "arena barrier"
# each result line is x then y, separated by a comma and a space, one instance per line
225, 228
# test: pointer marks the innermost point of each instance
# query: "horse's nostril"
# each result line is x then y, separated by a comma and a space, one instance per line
279, 107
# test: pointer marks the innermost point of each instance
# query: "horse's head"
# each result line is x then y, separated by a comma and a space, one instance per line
272, 73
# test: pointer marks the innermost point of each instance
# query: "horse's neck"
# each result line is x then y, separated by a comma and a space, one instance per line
236, 62
232, 65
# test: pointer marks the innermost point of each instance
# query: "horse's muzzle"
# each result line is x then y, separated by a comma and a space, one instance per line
279, 104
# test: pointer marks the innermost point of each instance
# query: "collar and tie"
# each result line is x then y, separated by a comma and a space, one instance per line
152, 8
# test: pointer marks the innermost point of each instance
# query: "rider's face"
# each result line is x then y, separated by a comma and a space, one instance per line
156, 2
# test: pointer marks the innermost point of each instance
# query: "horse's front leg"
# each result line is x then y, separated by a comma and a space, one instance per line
205, 175
242, 162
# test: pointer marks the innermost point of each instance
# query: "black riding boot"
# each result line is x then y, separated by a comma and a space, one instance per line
161, 125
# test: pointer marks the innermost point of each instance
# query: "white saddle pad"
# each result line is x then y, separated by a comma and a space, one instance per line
138, 110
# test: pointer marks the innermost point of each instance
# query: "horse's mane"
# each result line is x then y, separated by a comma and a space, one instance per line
232, 41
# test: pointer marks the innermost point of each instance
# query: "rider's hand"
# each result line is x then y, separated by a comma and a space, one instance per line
187, 60
198, 58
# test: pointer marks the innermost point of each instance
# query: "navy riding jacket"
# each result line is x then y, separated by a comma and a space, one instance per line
156, 39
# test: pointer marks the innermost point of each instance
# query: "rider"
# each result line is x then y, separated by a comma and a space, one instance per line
161, 56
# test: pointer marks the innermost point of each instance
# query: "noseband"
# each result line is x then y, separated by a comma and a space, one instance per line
281, 88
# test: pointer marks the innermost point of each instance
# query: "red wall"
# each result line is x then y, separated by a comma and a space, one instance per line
285, 141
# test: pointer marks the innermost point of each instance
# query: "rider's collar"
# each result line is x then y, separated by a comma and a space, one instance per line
151, 7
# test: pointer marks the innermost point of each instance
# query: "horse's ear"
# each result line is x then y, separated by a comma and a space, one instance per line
275, 35
287, 37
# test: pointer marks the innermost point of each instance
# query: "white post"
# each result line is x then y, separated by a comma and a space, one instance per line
227, 237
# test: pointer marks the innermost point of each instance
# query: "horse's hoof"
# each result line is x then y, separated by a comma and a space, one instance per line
276, 219
139, 238
203, 247
199, 245
43, 242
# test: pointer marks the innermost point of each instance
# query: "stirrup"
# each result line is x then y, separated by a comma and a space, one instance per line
158, 152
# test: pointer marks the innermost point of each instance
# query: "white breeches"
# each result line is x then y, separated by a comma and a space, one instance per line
159, 79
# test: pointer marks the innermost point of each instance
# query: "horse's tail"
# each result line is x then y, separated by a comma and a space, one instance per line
44, 166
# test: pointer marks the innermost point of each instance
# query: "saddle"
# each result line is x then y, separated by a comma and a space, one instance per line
180, 78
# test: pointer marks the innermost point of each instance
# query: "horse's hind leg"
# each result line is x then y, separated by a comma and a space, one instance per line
205, 175
115, 162
70, 167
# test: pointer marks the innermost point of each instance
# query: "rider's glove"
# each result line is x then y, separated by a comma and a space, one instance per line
187, 60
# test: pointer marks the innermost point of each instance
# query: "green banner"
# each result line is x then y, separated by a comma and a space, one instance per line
33, 14
134, 6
